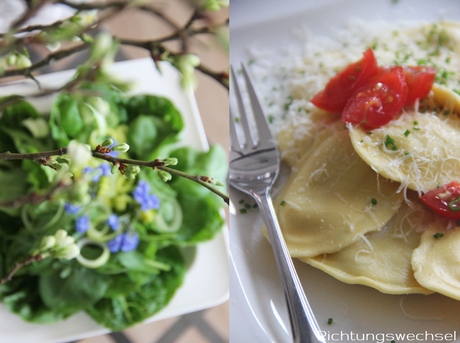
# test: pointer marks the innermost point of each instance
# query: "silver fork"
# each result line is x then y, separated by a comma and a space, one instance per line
254, 168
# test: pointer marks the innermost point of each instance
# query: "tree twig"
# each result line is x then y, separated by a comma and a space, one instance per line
117, 4
18, 266
30, 13
221, 77
34, 198
54, 56
42, 157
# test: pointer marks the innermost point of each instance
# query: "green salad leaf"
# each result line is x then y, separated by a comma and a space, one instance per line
139, 226
152, 294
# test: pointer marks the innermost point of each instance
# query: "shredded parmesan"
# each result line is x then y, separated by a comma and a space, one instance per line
371, 247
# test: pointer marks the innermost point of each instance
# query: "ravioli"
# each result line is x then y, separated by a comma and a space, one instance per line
436, 262
381, 259
297, 139
419, 150
328, 202
446, 98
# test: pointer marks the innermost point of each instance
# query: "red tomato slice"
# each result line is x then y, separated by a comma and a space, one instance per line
444, 200
419, 80
335, 95
377, 102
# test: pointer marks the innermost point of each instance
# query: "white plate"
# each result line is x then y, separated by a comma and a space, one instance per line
206, 282
257, 310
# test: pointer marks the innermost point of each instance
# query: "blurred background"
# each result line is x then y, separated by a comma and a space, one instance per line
210, 325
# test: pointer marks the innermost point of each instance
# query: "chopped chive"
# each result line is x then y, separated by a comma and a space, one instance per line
251, 61
406, 153
407, 133
247, 206
446, 112
288, 103
374, 201
271, 118
241, 201
329, 321
416, 128
243, 210
369, 133
237, 120
254, 206
362, 140
438, 185
438, 235
282, 203
393, 341
390, 141
415, 122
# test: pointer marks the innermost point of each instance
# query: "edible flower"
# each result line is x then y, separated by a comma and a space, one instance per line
142, 195
82, 224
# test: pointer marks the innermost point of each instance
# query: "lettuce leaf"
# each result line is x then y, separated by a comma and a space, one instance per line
125, 310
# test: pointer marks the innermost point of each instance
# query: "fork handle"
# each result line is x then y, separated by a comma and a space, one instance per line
304, 327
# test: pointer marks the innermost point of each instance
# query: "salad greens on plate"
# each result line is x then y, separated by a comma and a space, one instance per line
83, 230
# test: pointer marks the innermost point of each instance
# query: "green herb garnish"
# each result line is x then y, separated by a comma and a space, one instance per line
390, 141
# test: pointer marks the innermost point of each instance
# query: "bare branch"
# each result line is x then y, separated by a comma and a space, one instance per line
52, 57
30, 13
18, 266
121, 162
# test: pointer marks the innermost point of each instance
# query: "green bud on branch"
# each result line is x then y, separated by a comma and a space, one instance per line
23, 62
108, 142
123, 147
164, 176
170, 161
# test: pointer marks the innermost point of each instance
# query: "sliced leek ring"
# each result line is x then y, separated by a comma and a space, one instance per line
98, 262
174, 225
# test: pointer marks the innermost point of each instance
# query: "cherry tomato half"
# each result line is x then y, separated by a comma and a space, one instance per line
335, 95
377, 102
444, 200
419, 80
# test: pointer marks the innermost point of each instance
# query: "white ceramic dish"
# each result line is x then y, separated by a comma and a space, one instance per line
257, 310
206, 282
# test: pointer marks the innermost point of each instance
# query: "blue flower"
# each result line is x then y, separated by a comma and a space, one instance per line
124, 242
113, 222
88, 170
113, 153
142, 195
82, 224
130, 242
103, 170
71, 209
115, 244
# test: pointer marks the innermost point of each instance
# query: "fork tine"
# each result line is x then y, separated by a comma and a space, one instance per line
234, 142
261, 121
249, 143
